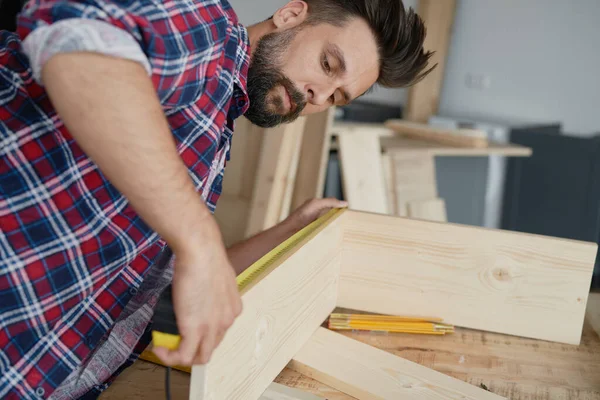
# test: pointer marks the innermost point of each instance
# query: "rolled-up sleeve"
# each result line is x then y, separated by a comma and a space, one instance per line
80, 35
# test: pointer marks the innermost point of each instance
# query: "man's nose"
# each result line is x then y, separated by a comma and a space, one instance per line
319, 94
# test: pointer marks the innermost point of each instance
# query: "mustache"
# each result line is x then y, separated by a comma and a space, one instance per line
260, 82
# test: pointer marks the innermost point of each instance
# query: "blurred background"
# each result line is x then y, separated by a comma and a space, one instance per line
526, 72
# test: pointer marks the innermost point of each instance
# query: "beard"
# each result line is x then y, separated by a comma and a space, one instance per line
264, 76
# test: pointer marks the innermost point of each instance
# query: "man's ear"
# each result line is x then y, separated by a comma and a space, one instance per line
291, 15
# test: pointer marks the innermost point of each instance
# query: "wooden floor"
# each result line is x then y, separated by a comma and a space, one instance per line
516, 368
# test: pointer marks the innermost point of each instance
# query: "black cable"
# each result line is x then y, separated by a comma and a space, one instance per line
168, 383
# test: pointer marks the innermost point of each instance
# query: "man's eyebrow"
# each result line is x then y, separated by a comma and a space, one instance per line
337, 53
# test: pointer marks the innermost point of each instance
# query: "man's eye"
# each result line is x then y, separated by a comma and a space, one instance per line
326, 65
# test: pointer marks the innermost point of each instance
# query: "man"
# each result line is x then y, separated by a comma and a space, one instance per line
116, 125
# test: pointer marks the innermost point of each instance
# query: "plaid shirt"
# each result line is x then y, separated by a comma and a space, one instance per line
72, 251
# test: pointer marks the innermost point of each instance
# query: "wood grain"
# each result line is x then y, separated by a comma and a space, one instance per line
280, 312
423, 98
276, 391
314, 153
499, 281
362, 170
513, 367
451, 137
368, 373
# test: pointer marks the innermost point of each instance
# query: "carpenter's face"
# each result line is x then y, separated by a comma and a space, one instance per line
308, 68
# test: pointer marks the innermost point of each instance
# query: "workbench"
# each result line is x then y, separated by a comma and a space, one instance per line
513, 367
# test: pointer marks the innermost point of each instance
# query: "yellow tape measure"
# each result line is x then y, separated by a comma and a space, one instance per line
253, 273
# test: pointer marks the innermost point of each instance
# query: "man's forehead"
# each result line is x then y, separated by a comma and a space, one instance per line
355, 44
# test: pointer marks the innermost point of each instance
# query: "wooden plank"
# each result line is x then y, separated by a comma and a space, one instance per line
405, 145
362, 171
368, 373
310, 178
390, 184
414, 178
290, 182
430, 210
498, 281
473, 138
231, 215
280, 312
423, 98
513, 367
276, 391
277, 154
241, 169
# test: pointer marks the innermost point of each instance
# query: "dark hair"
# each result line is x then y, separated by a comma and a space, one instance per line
399, 34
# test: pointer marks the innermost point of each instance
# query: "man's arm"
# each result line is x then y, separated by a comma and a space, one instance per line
245, 253
111, 109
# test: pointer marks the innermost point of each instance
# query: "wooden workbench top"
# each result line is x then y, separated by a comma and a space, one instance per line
513, 367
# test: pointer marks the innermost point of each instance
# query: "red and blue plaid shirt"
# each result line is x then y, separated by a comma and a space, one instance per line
72, 250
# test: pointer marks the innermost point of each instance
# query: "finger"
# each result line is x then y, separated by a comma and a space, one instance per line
166, 356
190, 342
206, 347
322, 204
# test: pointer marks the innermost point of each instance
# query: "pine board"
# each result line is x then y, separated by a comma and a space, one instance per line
272, 179
513, 367
401, 144
423, 97
430, 210
362, 170
280, 312
451, 137
498, 281
368, 373
314, 153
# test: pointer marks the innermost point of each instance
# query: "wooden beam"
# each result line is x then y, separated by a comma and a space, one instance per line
390, 184
310, 178
280, 312
469, 138
368, 373
292, 173
273, 179
414, 179
363, 179
276, 391
424, 97
430, 210
499, 281
416, 147
240, 170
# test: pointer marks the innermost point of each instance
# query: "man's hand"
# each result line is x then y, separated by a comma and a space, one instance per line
245, 253
111, 109
206, 300
311, 211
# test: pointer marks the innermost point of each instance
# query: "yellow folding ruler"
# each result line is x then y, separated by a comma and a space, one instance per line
165, 332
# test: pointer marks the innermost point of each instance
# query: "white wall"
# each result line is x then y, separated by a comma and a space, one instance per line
542, 58
252, 11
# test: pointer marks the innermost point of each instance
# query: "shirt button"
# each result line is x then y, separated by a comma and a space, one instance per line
40, 391
133, 291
